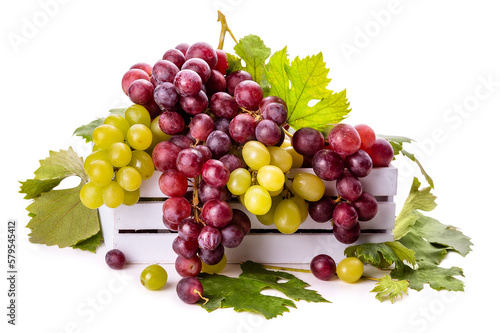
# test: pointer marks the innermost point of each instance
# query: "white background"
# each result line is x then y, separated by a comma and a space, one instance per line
412, 66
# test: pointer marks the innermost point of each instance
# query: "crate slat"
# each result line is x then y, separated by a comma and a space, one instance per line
263, 248
139, 231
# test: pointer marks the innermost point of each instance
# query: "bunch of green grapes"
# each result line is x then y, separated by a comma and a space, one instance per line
120, 160
264, 191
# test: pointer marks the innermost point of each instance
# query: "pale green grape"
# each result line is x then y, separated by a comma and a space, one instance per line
139, 137
119, 122
142, 162
119, 154
296, 157
154, 277
129, 178
257, 200
101, 172
158, 134
308, 186
105, 135
131, 197
239, 181
280, 158
91, 196
113, 195
287, 216
271, 177
217, 268
268, 218
286, 143
256, 155
350, 269
137, 114
96, 155
303, 207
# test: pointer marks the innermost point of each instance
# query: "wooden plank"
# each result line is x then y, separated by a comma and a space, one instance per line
264, 248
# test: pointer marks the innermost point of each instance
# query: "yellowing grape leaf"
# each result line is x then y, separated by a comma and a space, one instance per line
302, 84
387, 288
57, 216
61, 219
244, 292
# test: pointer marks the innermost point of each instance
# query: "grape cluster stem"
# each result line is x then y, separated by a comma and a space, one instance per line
224, 28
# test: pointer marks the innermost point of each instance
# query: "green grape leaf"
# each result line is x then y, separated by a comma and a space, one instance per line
302, 84
254, 53
233, 63
438, 278
85, 131
59, 218
382, 255
424, 251
90, 244
244, 292
444, 235
417, 200
397, 145
387, 288
34, 187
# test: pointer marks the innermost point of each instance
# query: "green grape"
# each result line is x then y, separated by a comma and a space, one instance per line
158, 134
287, 216
94, 156
142, 162
239, 181
217, 268
105, 135
257, 200
268, 218
256, 155
308, 186
296, 157
138, 114
119, 122
280, 158
139, 137
154, 277
101, 172
113, 195
286, 143
131, 197
91, 196
119, 154
271, 177
129, 178
303, 207
350, 269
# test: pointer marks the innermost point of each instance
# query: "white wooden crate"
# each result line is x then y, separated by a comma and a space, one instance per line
139, 231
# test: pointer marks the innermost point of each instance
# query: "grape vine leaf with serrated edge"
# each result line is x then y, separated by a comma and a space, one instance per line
438, 278
233, 63
416, 200
301, 83
57, 216
387, 288
61, 219
244, 292
85, 131
397, 145
254, 53
52, 171
382, 255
